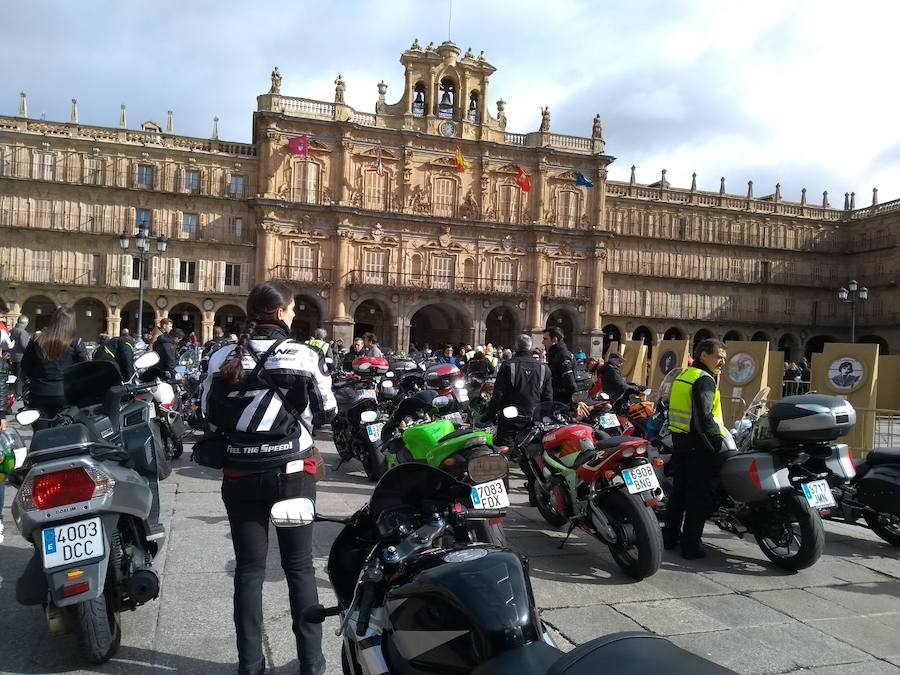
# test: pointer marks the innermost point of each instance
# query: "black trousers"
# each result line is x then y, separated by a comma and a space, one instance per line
249, 501
691, 500
48, 406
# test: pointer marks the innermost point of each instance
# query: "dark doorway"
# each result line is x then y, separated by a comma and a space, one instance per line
307, 317
501, 327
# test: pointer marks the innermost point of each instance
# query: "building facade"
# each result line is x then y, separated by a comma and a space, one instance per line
377, 230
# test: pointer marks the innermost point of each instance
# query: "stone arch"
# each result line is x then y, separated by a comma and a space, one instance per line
815, 344
420, 98
645, 335
307, 316
673, 333
761, 336
38, 309
733, 336
875, 340
501, 325
90, 318
567, 320
231, 318
790, 345
447, 93
473, 109
699, 336
373, 315
188, 317
440, 322
611, 333
130, 317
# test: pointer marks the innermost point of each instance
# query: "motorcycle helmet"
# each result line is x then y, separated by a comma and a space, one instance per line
442, 375
370, 365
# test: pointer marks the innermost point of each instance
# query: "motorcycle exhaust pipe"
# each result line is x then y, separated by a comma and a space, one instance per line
143, 585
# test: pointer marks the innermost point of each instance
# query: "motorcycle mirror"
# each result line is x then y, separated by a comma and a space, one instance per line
147, 360
440, 401
460, 384
11, 379
28, 417
647, 392
293, 512
389, 373
510, 412
368, 416
604, 395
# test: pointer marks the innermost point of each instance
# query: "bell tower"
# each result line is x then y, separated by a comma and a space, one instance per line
444, 94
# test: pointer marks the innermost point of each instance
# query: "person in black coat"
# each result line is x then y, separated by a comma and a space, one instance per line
562, 365
165, 347
614, 384
47, 356
119, 351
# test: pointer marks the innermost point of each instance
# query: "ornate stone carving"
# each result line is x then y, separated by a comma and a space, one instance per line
601, 252
397, 201
416, 47
276, 82
445, 237
418, 201
545, 119
501, 113
339, 87
378, 232
507, 243
597, 129
327, 196
469, 208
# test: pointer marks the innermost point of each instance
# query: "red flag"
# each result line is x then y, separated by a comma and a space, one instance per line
299, 145
522, 180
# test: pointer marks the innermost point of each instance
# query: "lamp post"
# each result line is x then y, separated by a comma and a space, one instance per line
142, 243
852, 295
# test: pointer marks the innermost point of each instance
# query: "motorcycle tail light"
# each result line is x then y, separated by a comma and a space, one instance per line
658, 462
641, 450
609, 475
70, 486
628, 452
76, 589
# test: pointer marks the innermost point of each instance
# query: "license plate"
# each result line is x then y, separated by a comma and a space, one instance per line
369, 393
454, 417
609, 420
490, 495
818, 494
640, 478
374, 431
65, 544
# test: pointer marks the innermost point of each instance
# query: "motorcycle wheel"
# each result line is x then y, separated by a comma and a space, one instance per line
99, 630
885, 526
375, 463
640, 555
346, 668
178, 449
485, 532
545, 506
795, 541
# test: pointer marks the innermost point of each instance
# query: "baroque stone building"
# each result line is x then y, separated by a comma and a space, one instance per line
376, 229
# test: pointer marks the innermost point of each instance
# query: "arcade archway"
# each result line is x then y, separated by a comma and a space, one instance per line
816, 344
501, 327
875, 340
611, 333
231, 319
187, 317
439, 324
130, 317
673, 334
563, 319
732, 336
90, 319
307, 317
699, 336
761, 336
38, 309
790, 345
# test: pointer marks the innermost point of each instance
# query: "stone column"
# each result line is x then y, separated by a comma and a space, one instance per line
113, 321
208, 320
535, 311
346, 171
269, 163
341, 321
538, 190
595, 309
266, 255
600, 200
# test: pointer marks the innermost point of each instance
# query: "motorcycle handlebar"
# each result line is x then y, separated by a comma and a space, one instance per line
485, 514
366, 600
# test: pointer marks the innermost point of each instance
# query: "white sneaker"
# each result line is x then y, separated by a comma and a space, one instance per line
1, 531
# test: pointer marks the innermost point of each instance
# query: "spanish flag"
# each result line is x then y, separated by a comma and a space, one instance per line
461, 163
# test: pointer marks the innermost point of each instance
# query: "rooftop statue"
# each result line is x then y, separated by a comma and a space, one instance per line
545, 119
276, 82
339, 86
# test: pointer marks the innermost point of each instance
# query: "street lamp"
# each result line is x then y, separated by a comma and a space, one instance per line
142, 243
853, 295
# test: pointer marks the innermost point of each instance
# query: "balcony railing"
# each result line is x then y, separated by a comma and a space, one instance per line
80, 276
314, 276
441, 283
566, 292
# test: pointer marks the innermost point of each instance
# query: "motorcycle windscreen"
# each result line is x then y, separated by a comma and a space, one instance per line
85, 384
412, 485
465, 607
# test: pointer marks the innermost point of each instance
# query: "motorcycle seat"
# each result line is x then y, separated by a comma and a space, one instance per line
613, 442
883, 456
632, 653
455, 434
535, 657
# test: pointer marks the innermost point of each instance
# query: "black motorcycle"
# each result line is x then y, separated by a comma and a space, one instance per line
416, 597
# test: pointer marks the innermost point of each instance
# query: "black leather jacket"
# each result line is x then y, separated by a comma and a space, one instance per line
4, 389
46, 377
562, 366
523, 381
168, 356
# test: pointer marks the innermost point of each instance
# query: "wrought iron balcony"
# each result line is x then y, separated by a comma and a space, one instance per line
298, 274
566, 292
439, 283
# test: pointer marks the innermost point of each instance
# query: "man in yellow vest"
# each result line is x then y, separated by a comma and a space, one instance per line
319, 341
697, 427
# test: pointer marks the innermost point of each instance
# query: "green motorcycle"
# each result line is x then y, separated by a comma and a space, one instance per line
416, 432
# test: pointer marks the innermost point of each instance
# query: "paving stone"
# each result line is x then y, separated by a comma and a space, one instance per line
737, 611
669, 617
676, 583
801, 604
581, 624
866, 633
870, 667
863, 599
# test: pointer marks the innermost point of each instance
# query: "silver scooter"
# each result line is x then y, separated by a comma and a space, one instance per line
88, 502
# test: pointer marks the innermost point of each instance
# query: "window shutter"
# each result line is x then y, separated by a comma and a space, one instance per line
220, 276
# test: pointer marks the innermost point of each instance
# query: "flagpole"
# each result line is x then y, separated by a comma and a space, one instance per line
449, 20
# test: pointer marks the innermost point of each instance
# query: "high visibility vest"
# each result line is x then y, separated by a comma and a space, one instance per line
681, 402
321, 345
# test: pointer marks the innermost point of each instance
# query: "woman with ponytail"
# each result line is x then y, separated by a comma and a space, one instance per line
270, 457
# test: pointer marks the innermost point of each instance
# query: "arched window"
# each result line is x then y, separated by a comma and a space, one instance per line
443, 270
567, 208
375, 189
306, 182
469, 269
448, 98
420, 101
417, 272
472, 114
444, 197
508, 211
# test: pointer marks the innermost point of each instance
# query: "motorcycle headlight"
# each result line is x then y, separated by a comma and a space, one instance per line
487, 467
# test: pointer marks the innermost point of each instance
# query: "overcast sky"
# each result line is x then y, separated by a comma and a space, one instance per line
799, 92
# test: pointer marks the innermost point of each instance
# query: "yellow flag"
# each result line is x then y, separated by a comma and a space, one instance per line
461, 163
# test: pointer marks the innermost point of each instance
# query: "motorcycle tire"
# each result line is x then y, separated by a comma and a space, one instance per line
888, 531
375, 463
346, 668
98, 627
553, 517
485, 532
631, 518
178, 449
803, 521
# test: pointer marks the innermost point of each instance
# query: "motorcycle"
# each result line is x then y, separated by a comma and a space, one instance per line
605, 486
762, 488
88, 501
357, 393
415, 596
413, 435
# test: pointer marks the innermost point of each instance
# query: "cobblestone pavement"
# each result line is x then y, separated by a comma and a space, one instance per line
841, 616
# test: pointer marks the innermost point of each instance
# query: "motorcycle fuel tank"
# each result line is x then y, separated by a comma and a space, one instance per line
753, 476
566, 442
453, 609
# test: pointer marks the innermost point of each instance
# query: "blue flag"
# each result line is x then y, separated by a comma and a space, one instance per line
580, 179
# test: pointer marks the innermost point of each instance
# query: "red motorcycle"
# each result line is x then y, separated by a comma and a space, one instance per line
605, 486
